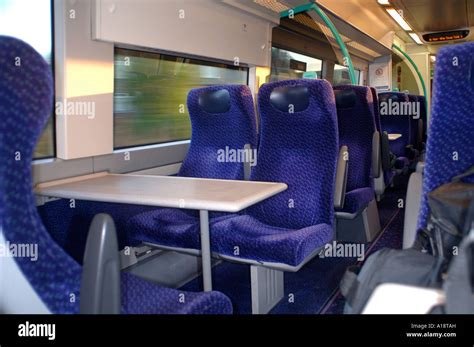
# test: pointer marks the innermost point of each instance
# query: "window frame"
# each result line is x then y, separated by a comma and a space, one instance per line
207, 62
359, 79
323, 65
53, 73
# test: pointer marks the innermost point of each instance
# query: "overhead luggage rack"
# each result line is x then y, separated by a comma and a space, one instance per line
358, 43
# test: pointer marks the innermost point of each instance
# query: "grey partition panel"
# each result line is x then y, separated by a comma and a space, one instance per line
133, 159
54, 169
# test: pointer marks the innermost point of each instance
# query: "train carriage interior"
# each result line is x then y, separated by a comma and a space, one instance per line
237, 157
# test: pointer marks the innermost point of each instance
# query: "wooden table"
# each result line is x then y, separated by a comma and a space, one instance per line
393, 137
167, 191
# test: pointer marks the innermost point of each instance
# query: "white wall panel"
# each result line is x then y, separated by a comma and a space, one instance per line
84, 82
207, 28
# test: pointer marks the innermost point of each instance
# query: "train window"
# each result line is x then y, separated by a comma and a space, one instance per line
32, 23
290, 65
341, 75
151, 90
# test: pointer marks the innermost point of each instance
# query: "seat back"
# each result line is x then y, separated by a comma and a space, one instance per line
222, 120
356, 124
375, 100
450, 147
423, 116
298, 146
390, 103
26, 96
415, 121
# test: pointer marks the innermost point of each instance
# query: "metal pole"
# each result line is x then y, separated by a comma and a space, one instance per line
394, 46
325, 18
205, 250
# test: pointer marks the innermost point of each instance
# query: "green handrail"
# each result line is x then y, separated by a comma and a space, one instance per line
313, 6
394, 46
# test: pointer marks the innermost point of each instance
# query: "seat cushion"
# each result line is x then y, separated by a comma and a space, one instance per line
401, 163
170, 227
357, 199
261, 242
143, 297
166, 226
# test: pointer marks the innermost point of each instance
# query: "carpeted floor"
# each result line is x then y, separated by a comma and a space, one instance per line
315, 288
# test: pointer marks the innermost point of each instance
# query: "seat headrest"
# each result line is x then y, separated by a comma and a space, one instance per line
26, 96
345, 98
215, 101
394, 96
286, 98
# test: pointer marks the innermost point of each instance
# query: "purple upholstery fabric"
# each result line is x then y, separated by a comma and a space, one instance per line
415, 123
299, 149
26, 99
395, 124
450, 147
211, 132
356, 121
142, 297
375, 103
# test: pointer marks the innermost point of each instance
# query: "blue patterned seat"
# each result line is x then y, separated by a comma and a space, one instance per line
395, 124
139, 297
415, 131
424, 118
450, 147
387, 173
356, 123
26, 96
300, 149
211, 132
216, 129
375, 101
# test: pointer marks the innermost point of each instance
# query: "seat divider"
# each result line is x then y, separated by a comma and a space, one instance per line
267, 288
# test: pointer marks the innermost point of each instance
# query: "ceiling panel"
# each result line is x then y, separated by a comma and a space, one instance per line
435, 15
367, 15
470, 12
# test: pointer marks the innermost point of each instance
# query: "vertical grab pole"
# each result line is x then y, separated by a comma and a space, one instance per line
395, 47
313, 6
205, 251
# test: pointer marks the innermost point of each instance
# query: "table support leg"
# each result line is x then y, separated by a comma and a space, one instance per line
205, 250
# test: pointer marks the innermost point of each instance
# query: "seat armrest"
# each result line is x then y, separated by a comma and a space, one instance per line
411, 152
385, 149
341, 177
376, 154
100, 284
420, 135
420, 167
247, 163
412, 208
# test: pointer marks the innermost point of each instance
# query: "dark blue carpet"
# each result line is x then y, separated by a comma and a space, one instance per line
315, 288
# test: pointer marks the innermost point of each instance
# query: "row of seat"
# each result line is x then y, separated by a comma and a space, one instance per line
303, 125
403, 152
52, 283
306, 129
449, 157
308, 143
294, 115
